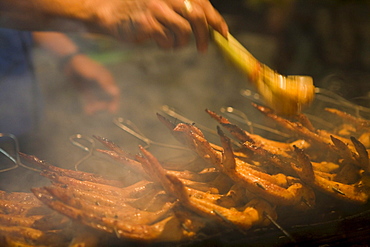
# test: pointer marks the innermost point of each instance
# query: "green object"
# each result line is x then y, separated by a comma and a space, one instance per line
110, 57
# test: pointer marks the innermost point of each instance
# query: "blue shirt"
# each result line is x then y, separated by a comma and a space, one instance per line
20, 100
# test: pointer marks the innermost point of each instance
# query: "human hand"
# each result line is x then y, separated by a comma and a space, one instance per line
169, 23
98, 89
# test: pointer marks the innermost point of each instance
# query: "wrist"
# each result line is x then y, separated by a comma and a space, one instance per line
67, 58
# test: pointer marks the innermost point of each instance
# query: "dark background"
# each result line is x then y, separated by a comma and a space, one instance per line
323, 38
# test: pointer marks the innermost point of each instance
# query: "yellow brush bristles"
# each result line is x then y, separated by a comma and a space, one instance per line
287, 95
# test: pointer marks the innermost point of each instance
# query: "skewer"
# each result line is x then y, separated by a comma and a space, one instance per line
80, 141
123, 124
320, 95
172, 113
242, 117
74, 140
239, 115
329, 97
279, 227
229, 222
15, 160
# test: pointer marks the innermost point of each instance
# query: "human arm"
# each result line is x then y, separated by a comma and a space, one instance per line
169, 23
99, 91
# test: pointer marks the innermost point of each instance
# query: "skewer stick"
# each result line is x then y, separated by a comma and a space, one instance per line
279, 227
16, 160
122, 124
75, 140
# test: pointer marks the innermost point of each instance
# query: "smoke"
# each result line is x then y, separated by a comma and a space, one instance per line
148, 78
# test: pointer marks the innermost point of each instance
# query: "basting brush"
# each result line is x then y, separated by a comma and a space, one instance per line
287, 95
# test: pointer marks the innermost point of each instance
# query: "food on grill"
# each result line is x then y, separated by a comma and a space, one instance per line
226, 187
46, 167
359, 123
259, 183
25, 221
141, 211
335, 151
354, 193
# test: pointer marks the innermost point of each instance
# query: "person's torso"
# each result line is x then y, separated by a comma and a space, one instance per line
19, 93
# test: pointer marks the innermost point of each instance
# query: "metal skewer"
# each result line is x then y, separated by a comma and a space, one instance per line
172, 113
129, 127
240, 116
279, 227
76, 140
15, 160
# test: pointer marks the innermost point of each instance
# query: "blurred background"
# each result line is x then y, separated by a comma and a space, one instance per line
328, 40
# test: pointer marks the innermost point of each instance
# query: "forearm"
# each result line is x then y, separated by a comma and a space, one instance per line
57, 43
170, 23
46, 15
